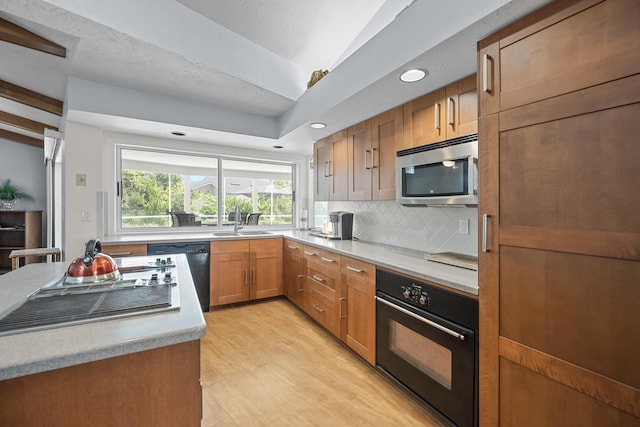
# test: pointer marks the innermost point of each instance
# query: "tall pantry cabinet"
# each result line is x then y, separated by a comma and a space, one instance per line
560, 248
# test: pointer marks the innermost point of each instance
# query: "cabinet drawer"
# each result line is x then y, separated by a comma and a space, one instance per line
362, 270
293, 248
119, 251
321, 305
321, 276
326, 261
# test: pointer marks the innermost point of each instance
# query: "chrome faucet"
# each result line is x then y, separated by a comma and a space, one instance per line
236, 220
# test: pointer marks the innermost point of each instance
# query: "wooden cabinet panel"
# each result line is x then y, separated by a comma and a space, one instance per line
322, 301
589, 46
331, 167
360, 161
386, 139
423, 120
558, 277
357, 307
323, 155
466, 110
119, 251
245, 269
294, 272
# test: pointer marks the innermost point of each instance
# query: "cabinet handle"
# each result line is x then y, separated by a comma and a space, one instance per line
342, 316
300, 276
330, 173
318, 278
485, 225
357, 270
325, 259
450, 111
485, 73
253, 276
119, 253
292, 247
326, 174
373, 158
317, 308
437, 116
246, 274
366, 160
309, 253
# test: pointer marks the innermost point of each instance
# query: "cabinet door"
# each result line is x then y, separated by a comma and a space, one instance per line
360, 161
386, 140
357, 307
339, 166
293, 266
423, 120
323, 154
229, 273
266, 268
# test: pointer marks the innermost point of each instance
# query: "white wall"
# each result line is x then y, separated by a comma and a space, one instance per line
24, 164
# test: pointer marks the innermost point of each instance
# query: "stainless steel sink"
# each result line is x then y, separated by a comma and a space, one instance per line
241, 233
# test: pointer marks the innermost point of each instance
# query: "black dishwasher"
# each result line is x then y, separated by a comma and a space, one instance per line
198, 258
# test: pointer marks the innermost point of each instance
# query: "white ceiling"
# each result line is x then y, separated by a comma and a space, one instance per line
235, 72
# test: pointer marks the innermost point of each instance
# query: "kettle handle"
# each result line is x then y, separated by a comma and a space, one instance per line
92, 249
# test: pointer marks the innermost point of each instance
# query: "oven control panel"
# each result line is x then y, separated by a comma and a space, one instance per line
415, 294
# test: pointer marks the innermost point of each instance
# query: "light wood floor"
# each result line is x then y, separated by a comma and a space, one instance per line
268, 364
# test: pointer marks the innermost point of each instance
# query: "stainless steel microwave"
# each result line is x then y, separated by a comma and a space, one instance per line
440, 174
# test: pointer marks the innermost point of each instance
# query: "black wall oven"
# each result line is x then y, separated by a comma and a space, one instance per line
427, 341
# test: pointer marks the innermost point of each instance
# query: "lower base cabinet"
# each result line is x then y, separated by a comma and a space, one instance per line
243, 270
158, 387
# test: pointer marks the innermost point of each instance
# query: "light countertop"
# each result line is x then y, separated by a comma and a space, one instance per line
43, 350
401, 260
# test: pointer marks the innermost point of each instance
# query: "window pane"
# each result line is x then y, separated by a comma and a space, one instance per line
155, 184
262, 189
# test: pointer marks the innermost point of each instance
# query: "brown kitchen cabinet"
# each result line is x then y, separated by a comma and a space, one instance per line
559, 268
28, 235
330, 167
371, 153
357, 307
446, 113
243, 270
120, 251
322, 287
294, 272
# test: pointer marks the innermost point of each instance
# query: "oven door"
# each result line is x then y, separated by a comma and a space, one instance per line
432, 357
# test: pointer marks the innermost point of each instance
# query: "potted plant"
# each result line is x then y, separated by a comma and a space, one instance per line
9, 193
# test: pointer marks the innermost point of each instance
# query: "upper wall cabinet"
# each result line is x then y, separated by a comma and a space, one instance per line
446, 113
330, 156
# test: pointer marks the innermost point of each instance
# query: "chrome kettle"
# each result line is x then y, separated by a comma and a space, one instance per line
93, 266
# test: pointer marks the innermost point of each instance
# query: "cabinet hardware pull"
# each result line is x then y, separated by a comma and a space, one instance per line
341, 315
317, 308
437, 116
299, 277
318, 278
246, 274
253, 276
422, 319
485, 225
119, 253
330, 163
326, 174
450, 111
366, 160
292, 247
357, 270
325, 259
309, 253
485, 73
373, 158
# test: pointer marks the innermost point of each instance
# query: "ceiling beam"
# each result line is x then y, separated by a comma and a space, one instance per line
24, 123
24, 139
28, 97
12, 33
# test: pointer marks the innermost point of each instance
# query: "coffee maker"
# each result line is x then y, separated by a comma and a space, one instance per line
340, 225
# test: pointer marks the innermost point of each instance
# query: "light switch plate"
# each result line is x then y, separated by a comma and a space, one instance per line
85, 215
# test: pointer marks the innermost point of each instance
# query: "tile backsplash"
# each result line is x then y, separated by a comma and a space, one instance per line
426, 229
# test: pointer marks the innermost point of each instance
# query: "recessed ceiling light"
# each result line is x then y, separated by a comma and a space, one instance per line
318, 125
176, 133
278, 146
413, 75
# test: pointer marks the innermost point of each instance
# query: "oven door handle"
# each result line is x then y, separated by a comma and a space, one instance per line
422, 319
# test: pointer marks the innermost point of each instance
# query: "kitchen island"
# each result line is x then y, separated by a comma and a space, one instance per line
137, 370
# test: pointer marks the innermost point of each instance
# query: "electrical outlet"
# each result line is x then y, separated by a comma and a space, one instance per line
84, 215
81, 180
463, 226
